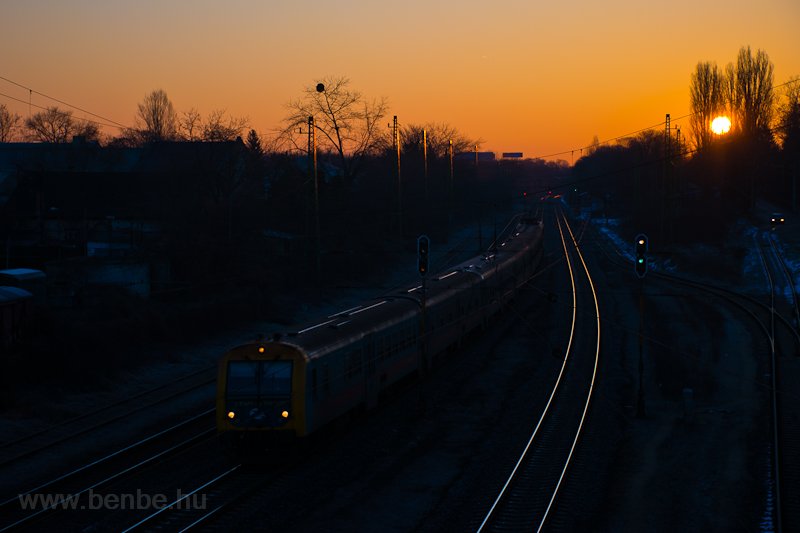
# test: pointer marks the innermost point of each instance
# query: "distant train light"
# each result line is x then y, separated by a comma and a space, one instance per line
777, 219
231, 415
260, 349
285, 414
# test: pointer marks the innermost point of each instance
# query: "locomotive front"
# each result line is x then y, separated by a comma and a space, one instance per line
260, 389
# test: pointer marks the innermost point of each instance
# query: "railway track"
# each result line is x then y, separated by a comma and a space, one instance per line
58, 494
782, 507
530, 492
790, 289
31, 444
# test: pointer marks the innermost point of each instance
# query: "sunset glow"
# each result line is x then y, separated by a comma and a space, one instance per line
721, 125
531, 77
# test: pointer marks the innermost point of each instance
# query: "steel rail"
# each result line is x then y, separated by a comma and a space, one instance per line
546, 409
591, 385
769, 332
788, 276
776, 456
115, 418
74, 495
205, 485
505, 490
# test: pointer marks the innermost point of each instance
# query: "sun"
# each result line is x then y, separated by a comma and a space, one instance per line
721, 125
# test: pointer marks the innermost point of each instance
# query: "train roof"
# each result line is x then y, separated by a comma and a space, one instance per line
326, 334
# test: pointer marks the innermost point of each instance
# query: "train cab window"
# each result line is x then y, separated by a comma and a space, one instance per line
259, 378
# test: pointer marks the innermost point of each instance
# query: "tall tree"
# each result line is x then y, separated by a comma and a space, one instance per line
789, 116
346, 122
9, 124
156, 119
707, 100
751, 93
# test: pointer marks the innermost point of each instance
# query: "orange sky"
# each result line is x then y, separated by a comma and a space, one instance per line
524, 76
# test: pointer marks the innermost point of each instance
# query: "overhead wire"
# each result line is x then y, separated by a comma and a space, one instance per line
46, 108
109, 122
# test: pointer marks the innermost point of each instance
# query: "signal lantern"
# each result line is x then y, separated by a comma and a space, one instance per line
641, 255
423, 247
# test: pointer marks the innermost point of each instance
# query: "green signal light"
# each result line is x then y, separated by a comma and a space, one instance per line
641, 260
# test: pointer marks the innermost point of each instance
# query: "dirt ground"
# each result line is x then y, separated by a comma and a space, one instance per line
694, 461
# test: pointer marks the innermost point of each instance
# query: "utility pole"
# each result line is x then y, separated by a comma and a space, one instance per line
425, 163
665, 187
312, 156
450, 186
396, 141
640, 267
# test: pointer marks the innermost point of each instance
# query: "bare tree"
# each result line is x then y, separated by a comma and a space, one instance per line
438, 138
707, 100
156, 119
51, 125
189, 125
9, 124
751, 95
346, 122
89, 131
218, 127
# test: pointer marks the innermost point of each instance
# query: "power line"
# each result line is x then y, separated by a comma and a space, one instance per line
45, 109
114, 123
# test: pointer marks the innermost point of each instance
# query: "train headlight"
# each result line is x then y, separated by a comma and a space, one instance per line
231, 415
285, 414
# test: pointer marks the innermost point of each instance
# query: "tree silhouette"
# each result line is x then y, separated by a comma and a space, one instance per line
9, 124
253, 143
750, 92
55, 125
156, 119
438, 137
218, 128
189, 125
707, 100
346, 122
789, 117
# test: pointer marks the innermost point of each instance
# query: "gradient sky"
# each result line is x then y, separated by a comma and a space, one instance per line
522, 75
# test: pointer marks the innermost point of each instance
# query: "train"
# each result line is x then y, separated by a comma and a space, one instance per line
293, 384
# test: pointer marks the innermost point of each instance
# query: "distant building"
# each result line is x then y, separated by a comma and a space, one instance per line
512, 155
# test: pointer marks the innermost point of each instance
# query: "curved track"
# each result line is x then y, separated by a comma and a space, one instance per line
783, 506
532, 488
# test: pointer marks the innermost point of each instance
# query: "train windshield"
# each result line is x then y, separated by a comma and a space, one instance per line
259, 378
